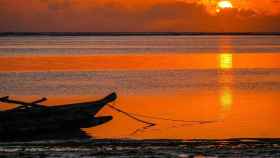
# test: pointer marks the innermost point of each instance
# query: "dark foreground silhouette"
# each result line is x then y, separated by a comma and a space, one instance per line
34, 121
145, 148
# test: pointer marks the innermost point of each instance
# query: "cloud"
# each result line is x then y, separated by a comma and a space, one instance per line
115, 15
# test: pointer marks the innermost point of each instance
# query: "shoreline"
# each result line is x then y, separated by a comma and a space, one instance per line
148, 148
128, 141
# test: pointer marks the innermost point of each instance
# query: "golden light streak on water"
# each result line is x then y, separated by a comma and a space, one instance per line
226, 81
226, 61
226, 98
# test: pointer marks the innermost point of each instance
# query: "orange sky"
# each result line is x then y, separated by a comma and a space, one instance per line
261, 6
138, 15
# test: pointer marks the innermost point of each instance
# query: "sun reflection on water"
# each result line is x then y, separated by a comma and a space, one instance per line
226, 98
225, 81
226, 61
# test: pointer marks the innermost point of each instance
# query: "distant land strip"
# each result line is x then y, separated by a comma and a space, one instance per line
137, 33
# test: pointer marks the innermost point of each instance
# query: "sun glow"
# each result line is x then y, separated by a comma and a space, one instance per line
226, 61
223, 5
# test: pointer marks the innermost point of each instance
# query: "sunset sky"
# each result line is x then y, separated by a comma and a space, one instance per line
138, 16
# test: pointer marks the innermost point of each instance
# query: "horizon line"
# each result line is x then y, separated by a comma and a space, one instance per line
133, 33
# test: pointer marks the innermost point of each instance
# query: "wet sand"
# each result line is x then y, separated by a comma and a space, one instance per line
145, 148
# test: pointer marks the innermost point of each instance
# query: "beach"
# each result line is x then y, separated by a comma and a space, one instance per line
145, 148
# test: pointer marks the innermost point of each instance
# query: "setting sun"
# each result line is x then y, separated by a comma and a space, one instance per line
225, 4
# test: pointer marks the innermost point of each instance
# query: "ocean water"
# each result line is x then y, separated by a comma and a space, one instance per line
89, 45
222, 86
203, 93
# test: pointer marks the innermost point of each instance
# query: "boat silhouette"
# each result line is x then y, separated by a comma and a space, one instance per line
34, 121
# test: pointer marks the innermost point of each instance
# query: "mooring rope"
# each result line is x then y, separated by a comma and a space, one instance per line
130, 115
151, 124
133, 116
169, 119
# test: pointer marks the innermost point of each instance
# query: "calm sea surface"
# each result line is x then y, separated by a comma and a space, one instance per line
221, 86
